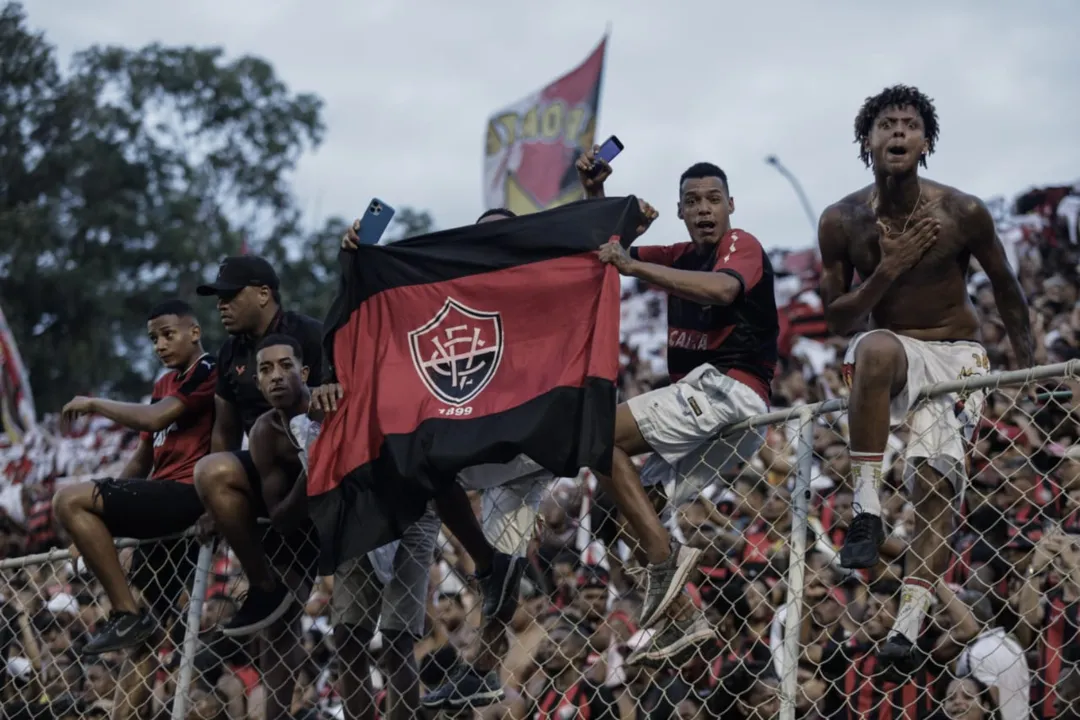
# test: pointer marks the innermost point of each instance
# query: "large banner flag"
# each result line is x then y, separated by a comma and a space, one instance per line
17, 415
532, 145
465, 347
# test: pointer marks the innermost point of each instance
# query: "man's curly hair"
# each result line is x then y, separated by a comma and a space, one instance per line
896, 96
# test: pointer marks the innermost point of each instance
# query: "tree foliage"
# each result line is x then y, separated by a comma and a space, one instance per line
124, 180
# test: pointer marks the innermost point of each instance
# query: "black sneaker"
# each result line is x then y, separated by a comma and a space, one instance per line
899, 659
465, 687
261, 609
500, 586
862, 542
121, 630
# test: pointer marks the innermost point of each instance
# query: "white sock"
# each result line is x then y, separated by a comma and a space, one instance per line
914, 601
867, 471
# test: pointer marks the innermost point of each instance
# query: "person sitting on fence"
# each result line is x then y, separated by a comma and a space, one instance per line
280, 372
249, 302
367, 590
910, 240
175, 435
280, 568
722, 351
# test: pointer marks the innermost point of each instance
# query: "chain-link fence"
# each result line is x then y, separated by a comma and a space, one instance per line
798, 635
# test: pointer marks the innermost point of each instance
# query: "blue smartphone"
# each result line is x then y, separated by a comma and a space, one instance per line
607, 152
376, 219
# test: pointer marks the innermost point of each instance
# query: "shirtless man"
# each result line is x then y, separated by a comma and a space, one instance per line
278, 445
911, 240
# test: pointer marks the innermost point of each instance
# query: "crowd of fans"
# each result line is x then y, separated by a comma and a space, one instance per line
1011, 593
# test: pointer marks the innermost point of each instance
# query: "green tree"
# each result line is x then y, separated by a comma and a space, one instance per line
123, 181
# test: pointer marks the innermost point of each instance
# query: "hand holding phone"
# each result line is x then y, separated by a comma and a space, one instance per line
593, 167
369, 229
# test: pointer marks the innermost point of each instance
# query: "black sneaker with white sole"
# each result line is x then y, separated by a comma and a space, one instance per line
121, 630
466, 687
261, 609
500, 586
862, 542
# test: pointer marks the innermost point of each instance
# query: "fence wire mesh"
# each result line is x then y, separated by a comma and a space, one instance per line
797, 634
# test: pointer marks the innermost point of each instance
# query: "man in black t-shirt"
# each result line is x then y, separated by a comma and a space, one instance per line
280, 568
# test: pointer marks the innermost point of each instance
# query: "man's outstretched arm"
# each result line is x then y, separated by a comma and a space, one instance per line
153, 417
1012, 306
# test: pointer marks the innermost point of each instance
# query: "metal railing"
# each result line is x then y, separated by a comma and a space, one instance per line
568, 591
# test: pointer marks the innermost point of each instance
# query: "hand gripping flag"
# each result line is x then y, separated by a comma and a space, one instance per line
464, 347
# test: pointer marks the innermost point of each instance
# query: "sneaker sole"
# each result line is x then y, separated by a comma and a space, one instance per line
860, 559
677, 653
128, 641
279, 611
477, 700
682, 571
508, 595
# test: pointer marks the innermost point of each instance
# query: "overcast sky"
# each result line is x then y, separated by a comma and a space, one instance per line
409, 84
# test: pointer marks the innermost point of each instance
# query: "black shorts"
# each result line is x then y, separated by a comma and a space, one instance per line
299, 552
146, 509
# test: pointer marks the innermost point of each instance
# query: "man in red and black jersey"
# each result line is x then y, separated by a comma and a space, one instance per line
174, 434
1049, 607
722, 351
562, 687
856, 686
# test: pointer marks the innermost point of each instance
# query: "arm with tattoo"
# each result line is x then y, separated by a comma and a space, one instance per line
845, 309
1012, 306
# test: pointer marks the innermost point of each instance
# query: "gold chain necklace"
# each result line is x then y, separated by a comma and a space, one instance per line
881, 223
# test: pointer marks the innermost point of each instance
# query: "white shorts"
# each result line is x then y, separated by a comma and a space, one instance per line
941, 426
682, 424
510, 499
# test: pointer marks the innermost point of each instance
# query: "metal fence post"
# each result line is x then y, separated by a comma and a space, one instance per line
191, 630
800, 506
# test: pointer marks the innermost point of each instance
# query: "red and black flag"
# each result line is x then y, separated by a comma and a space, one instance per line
465, 347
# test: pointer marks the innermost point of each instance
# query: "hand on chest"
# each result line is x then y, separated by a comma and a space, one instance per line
940, 256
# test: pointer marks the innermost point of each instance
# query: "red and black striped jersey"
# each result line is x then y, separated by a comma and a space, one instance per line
1057, 648
583, 700
857, 691
739, 340
178, 447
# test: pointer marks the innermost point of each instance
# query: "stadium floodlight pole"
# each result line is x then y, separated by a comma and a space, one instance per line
803, 199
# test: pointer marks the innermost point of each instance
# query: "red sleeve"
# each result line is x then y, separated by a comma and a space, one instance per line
740, 254
665, 255
198, 388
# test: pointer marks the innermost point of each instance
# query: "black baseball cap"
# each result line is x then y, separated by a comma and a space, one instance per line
238, 272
